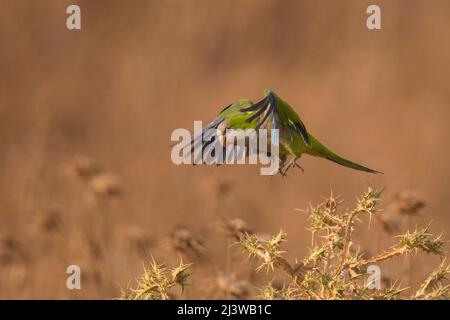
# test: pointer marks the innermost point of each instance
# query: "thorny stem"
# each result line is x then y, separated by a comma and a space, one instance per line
330, 271
435, 277
293, 272
286, 266
381, 257
347, 235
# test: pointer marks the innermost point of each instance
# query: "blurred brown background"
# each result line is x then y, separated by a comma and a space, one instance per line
88, 114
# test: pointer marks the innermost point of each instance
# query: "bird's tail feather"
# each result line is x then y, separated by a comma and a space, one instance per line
323, 152
350, 164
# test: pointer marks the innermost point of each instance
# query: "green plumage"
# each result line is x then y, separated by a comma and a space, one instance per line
274, 113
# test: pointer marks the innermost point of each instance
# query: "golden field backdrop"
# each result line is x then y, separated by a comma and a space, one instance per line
86, 118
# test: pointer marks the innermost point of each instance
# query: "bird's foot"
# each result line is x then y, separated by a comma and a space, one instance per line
298, 166
291, 164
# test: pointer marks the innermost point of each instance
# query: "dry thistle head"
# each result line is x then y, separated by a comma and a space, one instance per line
388, 223
136, 238
236, 227
153, 283
185, 241
105, 185
180, 274
367, 203
315, 255
228, 286
422, 240
84, 167
51, 221
156, 282
320, 219
407, 203
332, 204
266, 250
219, 187
12, 250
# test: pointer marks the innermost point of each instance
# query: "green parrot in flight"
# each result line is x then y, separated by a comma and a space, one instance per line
272, 112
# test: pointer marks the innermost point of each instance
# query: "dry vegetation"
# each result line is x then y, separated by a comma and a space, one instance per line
334, 268
114, 91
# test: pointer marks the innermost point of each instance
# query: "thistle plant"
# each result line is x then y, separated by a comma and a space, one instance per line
157, 281
335, 267
432, 287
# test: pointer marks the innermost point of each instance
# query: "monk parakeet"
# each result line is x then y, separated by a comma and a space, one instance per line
272, 112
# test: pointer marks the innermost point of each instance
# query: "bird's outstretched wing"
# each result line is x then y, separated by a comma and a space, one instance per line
268, 111
208, 137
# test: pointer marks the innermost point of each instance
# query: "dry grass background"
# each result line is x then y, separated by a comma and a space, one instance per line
86, 117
